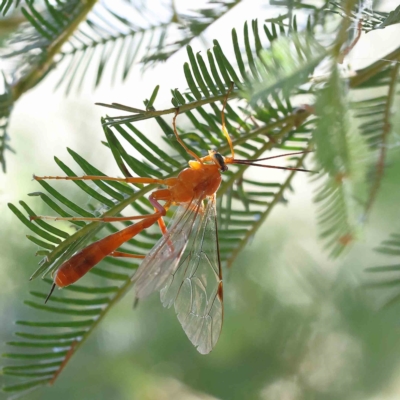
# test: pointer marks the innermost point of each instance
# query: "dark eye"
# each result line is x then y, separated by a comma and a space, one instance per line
221, 162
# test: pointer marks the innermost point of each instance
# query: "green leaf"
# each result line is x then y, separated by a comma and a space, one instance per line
25, 386
153, 97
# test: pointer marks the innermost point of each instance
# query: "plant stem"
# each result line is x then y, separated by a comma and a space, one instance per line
139, 116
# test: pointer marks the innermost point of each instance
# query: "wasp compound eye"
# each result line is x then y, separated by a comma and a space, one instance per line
221, 162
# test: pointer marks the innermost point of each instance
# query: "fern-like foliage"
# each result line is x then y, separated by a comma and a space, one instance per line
89, 40
258, 74
272, 73
37, 42
85, 35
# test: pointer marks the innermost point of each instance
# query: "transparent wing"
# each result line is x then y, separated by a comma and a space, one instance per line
163, 258
195, 285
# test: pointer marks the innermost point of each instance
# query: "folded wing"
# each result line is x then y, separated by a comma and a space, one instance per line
185, 266
163, 258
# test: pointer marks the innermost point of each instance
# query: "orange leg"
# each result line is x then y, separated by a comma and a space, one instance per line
125, 255
164, 231
92, 219
162, 226
157, 206
167, 182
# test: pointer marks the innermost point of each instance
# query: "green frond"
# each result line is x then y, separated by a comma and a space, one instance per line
107, 40
64, 34
284, 67
257, 198
37, 41
258, 72
338, 153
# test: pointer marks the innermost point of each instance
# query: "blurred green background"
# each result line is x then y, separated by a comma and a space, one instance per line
297, 326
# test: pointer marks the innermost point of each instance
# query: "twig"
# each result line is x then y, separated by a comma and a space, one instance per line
140, 115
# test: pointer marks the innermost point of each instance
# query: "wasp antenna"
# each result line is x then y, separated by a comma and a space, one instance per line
224, 130
51, 292
278, 156
242, 162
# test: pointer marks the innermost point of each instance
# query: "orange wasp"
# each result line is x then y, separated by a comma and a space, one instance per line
185, 264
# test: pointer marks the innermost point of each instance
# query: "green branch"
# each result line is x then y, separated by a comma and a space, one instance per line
140, 115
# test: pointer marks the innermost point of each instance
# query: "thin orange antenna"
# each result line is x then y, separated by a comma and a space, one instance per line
181, 142
225, 132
